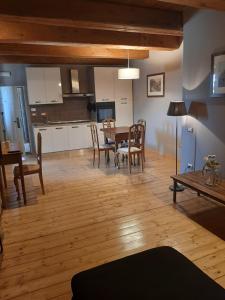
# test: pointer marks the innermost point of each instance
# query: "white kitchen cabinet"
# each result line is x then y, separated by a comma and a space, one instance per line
123, 102
86, 133
104, 84
75, 136
36, 86
47, 138
79, 136
53, 85
60, 138
44, 86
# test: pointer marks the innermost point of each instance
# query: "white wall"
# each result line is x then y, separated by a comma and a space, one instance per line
160, 133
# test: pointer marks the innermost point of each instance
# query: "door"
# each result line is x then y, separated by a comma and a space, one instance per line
47, 138
104, 84
36, 86
53, 85
75, 137
14, 116
124, 102
60, 138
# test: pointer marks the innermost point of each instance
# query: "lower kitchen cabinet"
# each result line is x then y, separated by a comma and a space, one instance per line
60, 138
47, 138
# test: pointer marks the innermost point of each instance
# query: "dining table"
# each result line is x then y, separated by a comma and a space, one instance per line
117, 134
10, 153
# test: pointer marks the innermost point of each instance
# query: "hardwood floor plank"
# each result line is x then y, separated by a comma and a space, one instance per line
90, 216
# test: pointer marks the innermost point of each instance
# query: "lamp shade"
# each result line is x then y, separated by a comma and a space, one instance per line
128, 73
177, 108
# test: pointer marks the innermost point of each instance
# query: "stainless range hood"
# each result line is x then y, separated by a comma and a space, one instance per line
76, 85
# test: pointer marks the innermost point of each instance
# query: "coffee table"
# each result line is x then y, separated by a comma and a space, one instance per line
196, 182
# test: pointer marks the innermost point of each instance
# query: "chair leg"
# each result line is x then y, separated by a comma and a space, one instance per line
129, 162
142, 161
1, 246
41, 182
99, 158
93, 157
16, 182
4, 176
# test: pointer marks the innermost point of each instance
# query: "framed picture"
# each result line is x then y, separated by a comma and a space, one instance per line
218, 75
156, 85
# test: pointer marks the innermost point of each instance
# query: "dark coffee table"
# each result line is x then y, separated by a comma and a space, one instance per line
157, 274
196, 182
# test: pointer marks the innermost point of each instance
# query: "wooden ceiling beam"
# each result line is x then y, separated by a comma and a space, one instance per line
30, 60
70, 52
96, 15
25, 32
201, 4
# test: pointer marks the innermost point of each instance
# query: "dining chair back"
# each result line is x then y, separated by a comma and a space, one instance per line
94, 136
135, 146
143, 122
108, 123
30, 169
97, 147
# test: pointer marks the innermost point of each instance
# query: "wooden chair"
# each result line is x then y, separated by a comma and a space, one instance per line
99, 148
135, 146
30, 169
108, 123
143, 122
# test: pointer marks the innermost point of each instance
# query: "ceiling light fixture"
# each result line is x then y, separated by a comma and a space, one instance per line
128, 73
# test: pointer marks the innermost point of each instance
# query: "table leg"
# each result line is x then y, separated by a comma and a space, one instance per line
174, 191
2, 190
198, 194
22, 181
4, 176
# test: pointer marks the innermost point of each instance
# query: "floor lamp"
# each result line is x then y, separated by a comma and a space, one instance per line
177, 109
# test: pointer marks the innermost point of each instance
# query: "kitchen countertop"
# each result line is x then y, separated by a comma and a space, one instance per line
62, 123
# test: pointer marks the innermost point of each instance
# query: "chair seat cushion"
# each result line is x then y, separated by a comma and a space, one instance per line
27, 169
125, 150
105, 146
157, 274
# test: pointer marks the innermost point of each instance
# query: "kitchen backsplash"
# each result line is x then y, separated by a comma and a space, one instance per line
69, 110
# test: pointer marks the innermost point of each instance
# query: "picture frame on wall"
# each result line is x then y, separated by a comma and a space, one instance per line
217, 81
156, 85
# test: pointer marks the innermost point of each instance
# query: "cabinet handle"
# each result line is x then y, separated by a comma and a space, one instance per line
54, 101
75, 126
37, 101
42, 129
88, 125
58, 128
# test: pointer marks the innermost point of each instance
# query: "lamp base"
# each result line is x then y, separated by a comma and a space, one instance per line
179, 187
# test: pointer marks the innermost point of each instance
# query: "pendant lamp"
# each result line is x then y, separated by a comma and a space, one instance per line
128, 73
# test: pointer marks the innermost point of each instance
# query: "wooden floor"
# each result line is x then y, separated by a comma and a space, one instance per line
90, 216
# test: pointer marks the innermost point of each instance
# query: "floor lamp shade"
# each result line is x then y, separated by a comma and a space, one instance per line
176, 109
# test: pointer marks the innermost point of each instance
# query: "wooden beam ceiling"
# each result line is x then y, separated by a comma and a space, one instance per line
70, 52
30, 60
24, 32
96, 15
41, 31
201, 4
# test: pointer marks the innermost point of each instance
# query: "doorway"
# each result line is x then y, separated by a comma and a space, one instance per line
13, 122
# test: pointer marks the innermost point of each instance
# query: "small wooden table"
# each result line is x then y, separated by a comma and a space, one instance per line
196, 182
117, 134
11, 154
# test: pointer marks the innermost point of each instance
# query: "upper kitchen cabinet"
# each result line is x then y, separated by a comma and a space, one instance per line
53, 85
44, 86
104, 84
36, 86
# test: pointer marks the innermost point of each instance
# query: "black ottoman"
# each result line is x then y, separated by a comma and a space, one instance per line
161, 273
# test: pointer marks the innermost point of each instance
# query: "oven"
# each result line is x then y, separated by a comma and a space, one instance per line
105, 110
